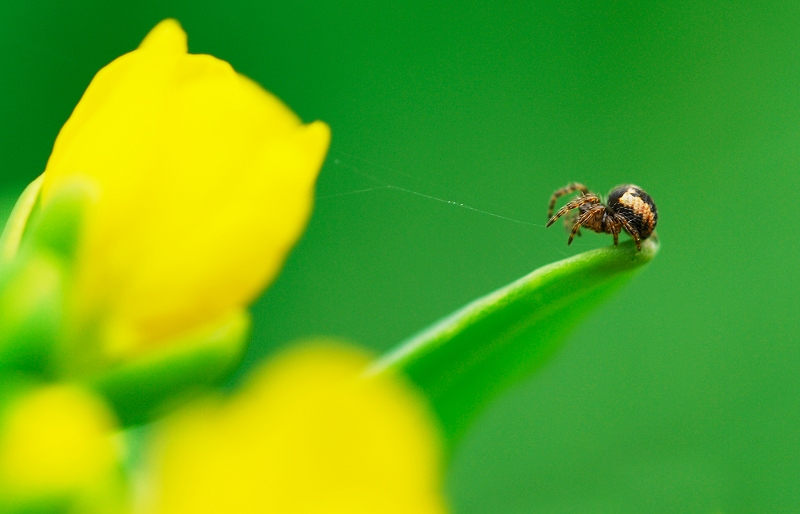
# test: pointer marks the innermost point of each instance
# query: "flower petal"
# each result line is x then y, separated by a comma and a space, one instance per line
205, 182
306, 435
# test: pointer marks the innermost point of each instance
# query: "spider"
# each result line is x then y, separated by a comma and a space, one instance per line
628, 208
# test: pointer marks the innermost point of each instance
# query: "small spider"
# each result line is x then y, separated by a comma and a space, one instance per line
628, 208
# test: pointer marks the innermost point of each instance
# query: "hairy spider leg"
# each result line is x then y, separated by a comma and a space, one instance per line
569, 188
614, 226
583, 218
574, 204
569, 220
630, 229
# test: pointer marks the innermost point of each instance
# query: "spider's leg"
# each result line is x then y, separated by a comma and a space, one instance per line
583, 218
569, 220
569, 188
614, 226
574, 204
630, 229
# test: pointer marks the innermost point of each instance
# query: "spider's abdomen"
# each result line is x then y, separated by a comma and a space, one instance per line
636, 206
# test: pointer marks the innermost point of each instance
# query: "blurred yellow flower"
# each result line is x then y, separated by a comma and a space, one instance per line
200, 181
307, 434
185, 185
57, 448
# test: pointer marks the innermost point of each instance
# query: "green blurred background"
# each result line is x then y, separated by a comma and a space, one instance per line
681, 393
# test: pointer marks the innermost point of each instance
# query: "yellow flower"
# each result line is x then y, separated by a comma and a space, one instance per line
306, 435
57, 448
200, 183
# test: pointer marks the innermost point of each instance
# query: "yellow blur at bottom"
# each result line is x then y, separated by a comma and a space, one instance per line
307, 434
58, 453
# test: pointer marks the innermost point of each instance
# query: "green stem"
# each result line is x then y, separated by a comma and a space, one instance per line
466, 359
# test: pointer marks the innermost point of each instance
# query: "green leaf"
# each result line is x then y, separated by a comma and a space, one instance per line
466, 359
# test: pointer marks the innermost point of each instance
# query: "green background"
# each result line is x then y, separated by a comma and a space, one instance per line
680, 394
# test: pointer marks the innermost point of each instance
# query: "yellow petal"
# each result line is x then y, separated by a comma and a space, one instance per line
204, 183
306, 435
166, 37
